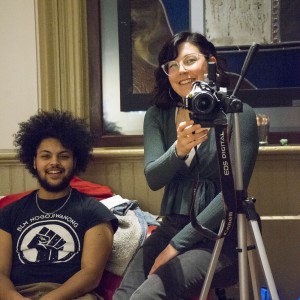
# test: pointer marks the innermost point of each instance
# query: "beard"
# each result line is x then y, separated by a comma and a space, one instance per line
58, 187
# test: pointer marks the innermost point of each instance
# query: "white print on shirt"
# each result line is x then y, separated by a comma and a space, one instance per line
48, 216
47, 241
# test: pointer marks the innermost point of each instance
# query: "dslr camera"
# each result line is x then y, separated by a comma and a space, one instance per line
208, 105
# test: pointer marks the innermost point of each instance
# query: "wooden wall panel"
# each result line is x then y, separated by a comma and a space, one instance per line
293, 185
275, 182
276, 186
5, 180
15, 179
282, 243
127, 180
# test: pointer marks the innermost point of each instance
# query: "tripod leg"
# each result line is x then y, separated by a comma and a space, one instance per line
252, 216
211, 268
264, 260
252, 265
242, 256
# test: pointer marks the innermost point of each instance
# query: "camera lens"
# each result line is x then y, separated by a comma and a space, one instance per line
203, 103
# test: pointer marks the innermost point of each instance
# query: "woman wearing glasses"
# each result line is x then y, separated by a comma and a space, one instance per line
173, 261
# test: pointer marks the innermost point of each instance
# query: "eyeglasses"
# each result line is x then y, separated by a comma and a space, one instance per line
172, 67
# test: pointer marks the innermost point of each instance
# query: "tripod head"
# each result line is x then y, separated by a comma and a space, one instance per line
208, 103
252, 51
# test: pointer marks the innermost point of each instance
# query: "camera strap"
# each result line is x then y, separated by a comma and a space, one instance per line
227, 187
226, 179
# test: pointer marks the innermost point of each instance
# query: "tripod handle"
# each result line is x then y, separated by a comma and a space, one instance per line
252, 51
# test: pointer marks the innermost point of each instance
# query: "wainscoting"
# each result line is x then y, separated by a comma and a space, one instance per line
120, 169
275, 184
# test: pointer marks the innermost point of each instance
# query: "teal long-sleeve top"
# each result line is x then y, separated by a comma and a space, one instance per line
163, 169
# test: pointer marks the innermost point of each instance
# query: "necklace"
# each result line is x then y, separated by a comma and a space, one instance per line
47, 213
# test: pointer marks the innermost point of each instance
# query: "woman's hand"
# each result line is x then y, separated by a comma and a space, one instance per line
189, 135
166, 255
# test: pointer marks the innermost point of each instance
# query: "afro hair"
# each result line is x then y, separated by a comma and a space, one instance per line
72, 132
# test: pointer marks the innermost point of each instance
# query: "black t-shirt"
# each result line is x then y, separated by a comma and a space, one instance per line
48, 247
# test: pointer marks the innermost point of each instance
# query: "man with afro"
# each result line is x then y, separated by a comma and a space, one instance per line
54, 242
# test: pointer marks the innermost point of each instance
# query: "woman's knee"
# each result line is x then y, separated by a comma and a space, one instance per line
151, 289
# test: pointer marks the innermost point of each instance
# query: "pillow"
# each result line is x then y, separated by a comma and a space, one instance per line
11, 198
98, 191
92, 189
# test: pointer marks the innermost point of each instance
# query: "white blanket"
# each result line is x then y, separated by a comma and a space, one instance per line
127, 240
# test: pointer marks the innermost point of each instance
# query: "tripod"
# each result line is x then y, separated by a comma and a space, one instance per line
248, 232
249, 239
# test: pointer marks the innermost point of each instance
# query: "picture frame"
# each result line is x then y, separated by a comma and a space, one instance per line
102, 137
273, 76
143, 27
99, 123
139, 101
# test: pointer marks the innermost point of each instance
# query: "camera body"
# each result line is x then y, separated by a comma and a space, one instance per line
209, 105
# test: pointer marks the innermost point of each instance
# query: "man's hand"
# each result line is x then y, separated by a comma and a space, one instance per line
166, 255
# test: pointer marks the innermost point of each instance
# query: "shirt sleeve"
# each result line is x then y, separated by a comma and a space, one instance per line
98, 213
161, 162
5, 218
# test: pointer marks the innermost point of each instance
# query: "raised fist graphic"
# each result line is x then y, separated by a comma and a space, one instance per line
47, 243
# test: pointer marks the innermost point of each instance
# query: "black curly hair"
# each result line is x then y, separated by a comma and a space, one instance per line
169, 51
72, 132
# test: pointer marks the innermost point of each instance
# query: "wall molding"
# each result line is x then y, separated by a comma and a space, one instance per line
130, 154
